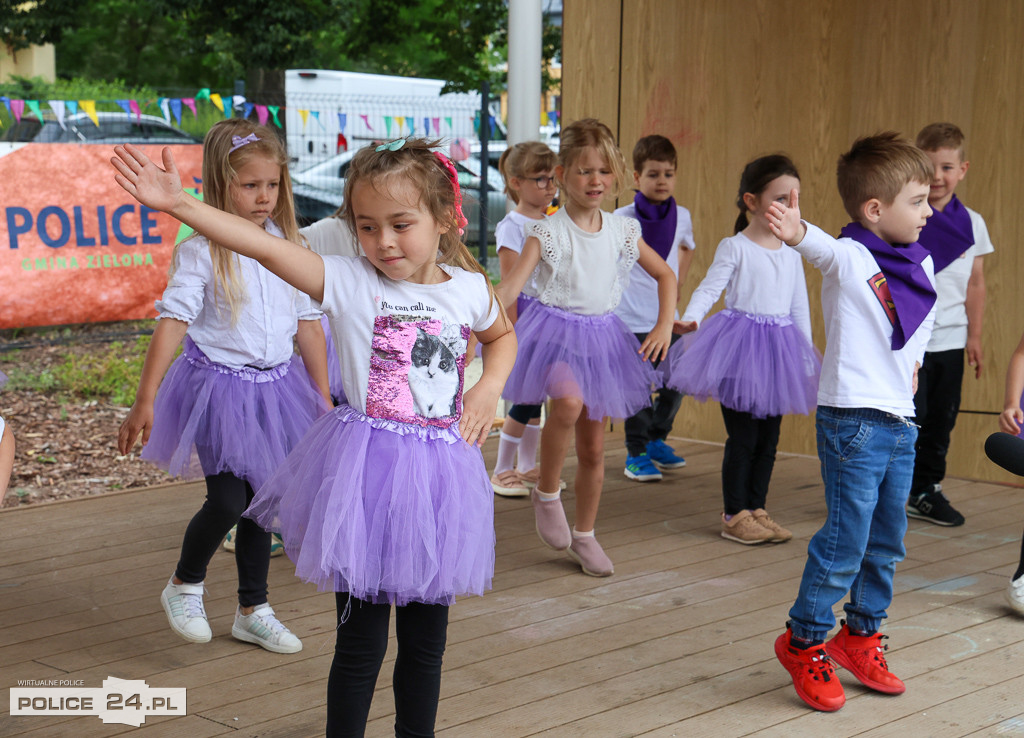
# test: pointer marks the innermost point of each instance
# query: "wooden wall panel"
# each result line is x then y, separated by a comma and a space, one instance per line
730, 80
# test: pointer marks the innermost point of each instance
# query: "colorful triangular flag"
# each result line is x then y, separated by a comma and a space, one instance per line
273, 113
33, 105
261, 114
191, 102
176, 109
89, 106
57, 106
366, 120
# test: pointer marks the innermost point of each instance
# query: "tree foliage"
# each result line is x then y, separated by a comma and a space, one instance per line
210, 43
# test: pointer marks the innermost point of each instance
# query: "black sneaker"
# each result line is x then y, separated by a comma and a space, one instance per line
933, 507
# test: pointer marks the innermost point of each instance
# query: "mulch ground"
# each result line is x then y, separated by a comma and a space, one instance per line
65, 448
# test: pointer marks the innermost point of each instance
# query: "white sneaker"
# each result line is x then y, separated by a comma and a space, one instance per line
183, 604
1015, 594
263, 628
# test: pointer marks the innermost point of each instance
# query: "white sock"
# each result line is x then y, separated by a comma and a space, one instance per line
528, 448
582, 533
507, 446
546, 496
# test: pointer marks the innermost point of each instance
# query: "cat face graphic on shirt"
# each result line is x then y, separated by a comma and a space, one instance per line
433, 377
416, 370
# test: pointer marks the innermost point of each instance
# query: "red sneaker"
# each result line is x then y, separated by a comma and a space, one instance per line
813, 674
863, 656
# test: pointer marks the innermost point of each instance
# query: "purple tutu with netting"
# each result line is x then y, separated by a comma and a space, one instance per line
389, 512
758, 364
593, 357
209, 418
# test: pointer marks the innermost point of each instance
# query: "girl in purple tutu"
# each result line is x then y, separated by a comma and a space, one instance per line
572, 348
236, 400
756, 356
386, 500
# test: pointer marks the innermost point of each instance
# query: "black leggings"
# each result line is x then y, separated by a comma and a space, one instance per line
227, 496
422, 632
748, 459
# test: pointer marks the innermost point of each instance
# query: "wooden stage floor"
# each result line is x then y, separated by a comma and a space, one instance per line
677, 643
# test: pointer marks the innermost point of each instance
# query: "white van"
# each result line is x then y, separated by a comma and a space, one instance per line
328, 112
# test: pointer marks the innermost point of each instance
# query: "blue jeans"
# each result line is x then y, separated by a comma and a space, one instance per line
867, 464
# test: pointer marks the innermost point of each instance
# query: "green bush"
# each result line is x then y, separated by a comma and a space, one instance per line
110, 373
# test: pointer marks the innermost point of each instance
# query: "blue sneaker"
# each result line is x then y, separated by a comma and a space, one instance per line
642, 469
663, 456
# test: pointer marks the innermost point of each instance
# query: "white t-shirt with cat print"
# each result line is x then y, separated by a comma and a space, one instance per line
403, 345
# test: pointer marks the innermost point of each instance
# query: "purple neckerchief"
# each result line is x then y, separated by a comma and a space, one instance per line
657, 223
912, 292
948, 234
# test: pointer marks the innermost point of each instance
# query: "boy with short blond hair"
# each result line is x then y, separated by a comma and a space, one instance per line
878, 300
668, 229
957, 239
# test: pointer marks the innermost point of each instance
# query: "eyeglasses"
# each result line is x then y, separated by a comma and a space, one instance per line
542, 182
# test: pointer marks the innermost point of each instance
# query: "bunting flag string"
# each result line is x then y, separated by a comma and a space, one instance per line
170, 108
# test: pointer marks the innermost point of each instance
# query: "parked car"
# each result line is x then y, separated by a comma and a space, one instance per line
113, 128
326, 180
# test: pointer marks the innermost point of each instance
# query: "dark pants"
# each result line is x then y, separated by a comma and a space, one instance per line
654, 422
748, 459
227, 497
422, 632
524, 413
936, 403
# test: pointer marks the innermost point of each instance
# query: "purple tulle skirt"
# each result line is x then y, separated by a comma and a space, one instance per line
387, 511
209, 418
759, 364
594, 357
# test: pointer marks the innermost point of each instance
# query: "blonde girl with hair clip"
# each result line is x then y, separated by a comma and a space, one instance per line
528, 169
572, 348
237, 400
386, 501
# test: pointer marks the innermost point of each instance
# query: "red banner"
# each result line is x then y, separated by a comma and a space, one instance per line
74, 246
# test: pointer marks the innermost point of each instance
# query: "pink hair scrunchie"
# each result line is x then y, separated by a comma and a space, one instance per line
453, 177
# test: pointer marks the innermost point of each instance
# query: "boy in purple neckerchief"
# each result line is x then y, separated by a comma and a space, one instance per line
878, 299
957, 239
668, 229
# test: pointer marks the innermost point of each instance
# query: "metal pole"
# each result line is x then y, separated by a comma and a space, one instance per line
525, 23
485, 135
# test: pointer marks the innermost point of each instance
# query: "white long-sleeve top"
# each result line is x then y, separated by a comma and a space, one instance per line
860, 368
756, 280
267, 321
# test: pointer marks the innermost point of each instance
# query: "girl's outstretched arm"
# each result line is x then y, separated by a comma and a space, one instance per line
480, 402
6, 458
657, 343
512, 284
160, 189
1012, 417
165, 341
313, 349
